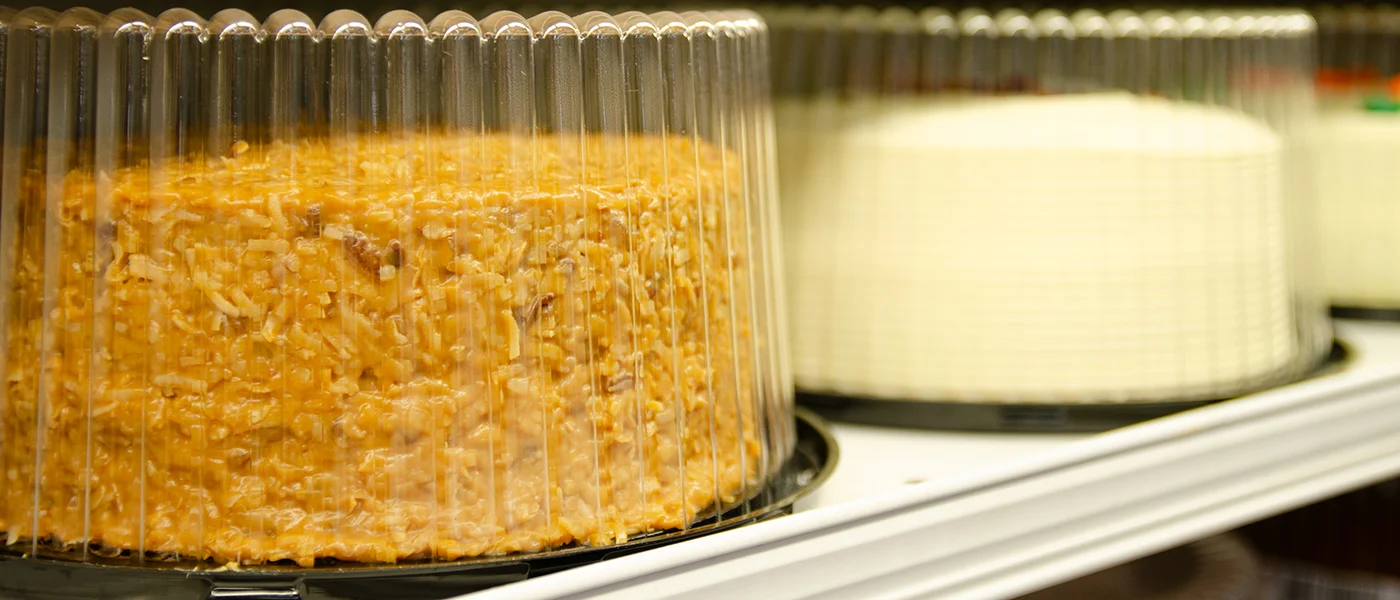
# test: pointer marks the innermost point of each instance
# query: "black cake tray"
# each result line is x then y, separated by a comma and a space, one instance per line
1366, 314
1043, 418
59, 577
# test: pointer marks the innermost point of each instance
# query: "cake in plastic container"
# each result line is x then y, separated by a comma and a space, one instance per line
1357, 153
416, 288
1047, 208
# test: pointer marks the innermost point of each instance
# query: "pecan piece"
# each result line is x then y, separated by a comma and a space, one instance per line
532, 311
621, 382
394, 256
313, 221
104, 551
363, 251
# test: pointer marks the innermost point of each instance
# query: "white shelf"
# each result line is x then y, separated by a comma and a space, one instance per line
999, 515
878, 460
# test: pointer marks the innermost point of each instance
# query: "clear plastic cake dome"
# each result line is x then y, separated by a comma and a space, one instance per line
406, 290
1357, 153
1046, 209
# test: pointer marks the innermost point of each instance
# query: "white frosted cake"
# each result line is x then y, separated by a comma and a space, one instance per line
1093, 248
1358, 206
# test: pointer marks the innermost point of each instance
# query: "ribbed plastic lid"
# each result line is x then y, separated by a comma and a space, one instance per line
419, 288
1002, 207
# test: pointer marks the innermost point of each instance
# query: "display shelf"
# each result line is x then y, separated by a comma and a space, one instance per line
960, 515
873, 459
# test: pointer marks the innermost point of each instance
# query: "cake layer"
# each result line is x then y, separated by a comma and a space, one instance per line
375, 349
1094, 248
1358, 206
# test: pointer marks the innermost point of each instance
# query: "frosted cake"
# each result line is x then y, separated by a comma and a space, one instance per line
437, 356
1062, 249
1358, 206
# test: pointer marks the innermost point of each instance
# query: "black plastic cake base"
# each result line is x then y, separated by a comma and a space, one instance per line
1043, 418
1366, 314
68, 578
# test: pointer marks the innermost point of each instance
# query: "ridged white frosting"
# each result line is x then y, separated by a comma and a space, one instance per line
1093, 248
1358, 207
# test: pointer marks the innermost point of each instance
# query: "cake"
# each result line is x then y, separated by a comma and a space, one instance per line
1093, 248
1358, 132
1357, 205
381, 348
